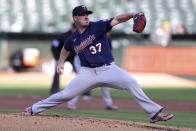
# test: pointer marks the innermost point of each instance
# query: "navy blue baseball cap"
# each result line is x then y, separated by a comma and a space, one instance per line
80, 10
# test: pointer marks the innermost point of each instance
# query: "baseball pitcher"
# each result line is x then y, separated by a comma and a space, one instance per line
98, 68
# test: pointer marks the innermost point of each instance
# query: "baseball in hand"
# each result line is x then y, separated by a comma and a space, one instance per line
61, 71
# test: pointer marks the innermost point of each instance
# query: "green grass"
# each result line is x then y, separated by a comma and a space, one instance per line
171, 94
24, 90
181, 119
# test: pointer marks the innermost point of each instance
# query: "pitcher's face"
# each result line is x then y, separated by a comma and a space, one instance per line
82, 20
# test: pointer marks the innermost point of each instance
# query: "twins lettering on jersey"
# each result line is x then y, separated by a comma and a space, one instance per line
83, 44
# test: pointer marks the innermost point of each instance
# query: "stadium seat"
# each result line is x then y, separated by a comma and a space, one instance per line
55, 15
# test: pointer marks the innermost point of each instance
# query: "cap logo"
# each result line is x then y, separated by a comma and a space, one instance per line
84, 7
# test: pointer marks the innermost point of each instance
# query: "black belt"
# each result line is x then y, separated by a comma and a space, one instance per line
107, 64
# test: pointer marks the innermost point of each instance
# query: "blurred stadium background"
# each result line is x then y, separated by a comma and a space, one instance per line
34, 23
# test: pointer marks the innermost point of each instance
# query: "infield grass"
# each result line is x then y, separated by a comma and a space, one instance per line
181, 119
171, 94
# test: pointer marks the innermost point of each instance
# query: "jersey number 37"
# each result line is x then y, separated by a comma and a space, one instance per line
96, 48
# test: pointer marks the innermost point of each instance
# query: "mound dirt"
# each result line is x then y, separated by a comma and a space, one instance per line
16, 122
42, 122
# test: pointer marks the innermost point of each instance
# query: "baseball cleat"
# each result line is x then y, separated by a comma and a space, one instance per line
111, 107
27, 111
161, 117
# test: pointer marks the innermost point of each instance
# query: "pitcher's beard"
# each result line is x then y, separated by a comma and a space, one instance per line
85, 26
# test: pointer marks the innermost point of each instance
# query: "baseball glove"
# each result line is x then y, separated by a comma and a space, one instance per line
139, 22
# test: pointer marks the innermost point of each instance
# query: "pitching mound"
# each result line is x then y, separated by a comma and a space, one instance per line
16, 122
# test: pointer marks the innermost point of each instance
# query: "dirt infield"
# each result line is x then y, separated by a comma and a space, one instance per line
12, 102
16, 122
43, 122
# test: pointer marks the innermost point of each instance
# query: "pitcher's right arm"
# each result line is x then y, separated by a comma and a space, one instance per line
60, 64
